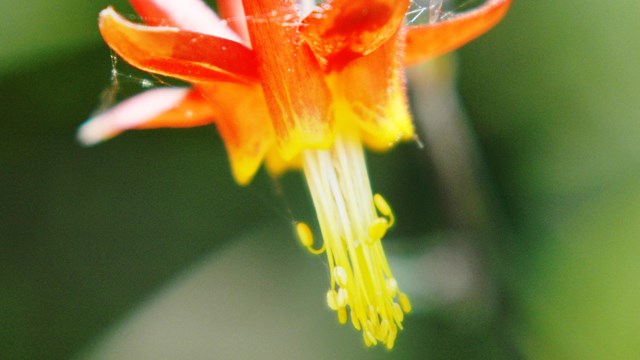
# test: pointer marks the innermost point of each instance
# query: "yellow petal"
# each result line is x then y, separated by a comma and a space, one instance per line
370, 93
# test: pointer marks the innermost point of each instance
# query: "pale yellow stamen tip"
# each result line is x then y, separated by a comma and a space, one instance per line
383, 329
369, 338
382, 205
306, 238
342, 315
332, 299
383, 208
398, 315
378, 229
342, 298
404, 302
355, 322
391, 338
304, 234
340, 275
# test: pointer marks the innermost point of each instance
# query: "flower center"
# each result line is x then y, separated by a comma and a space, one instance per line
353, 222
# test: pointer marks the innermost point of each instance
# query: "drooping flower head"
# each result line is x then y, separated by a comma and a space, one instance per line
295, 85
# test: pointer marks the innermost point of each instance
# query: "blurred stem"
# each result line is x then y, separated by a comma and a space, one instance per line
461, 174
451, 147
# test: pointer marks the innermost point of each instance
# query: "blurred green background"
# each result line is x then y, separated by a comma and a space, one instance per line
145, 244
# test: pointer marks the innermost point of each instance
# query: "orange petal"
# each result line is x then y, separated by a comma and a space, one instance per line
297, 95
192, 15
428, 41
161, 107
185, 55
371, 91
342, 30
243, 122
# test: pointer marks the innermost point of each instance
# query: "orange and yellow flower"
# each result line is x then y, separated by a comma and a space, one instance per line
294, 91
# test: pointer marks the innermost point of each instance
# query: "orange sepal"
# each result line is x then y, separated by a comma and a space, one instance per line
428, 41
243, 123
297, 95
377, 104
184, 55
342, 30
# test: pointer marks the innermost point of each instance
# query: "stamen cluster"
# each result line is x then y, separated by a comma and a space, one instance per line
353, 223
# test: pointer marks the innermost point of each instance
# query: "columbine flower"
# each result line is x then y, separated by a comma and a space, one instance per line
295, 91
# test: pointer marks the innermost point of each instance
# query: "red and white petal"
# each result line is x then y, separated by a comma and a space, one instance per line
192, 15
342, 30
431, 40
194, 110
181, 54
144, 111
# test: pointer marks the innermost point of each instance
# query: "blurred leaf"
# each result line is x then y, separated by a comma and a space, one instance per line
581, 294
556, 105
35, 29
560, 125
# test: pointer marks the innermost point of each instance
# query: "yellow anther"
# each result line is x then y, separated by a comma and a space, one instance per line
369, 337
398, 314
306, 238
378, 229
382, 205
341, 299
383, 330
404, 302
342, 315
390, 343
383, 208
367, 340
304, 234
355, 322
340, 275
391, 338
332, 299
